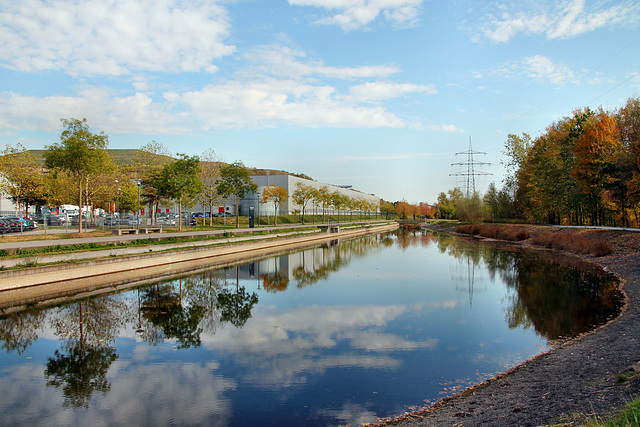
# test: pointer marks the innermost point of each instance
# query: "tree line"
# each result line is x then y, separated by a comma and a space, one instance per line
584, 169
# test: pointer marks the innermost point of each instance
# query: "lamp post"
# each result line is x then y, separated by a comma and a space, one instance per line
138, 182
117, 215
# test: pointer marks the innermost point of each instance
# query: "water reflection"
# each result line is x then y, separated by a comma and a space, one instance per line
335, 334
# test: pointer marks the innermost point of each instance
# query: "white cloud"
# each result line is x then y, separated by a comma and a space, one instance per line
557, 19
285, 61
377, 91
270, 102
357, 14
537, 67
134, 114
117, 37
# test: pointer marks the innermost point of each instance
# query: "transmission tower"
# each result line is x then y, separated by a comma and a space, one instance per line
469, 176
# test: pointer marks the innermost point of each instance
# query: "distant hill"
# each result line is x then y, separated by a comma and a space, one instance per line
124, 157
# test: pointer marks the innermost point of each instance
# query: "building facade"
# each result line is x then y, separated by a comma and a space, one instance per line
289, 183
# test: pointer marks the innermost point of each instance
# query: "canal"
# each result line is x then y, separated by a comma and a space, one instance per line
345, 333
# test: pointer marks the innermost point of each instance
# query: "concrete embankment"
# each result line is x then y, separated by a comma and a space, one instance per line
53, 284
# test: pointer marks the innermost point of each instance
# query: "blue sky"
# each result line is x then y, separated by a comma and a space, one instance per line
378, 94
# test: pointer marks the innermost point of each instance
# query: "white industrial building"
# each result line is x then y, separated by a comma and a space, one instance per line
289, 183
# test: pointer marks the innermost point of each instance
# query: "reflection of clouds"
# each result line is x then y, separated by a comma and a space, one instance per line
351, 414
186, 393
372, 341
286, 347
301, 329
26, 400
292, 370
449, 304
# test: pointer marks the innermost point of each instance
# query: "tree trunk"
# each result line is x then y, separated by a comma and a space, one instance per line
237, 213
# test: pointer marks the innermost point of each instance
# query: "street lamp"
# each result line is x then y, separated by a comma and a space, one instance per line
117, 215
138, 183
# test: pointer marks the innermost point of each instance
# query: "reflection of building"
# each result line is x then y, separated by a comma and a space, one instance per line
296, 267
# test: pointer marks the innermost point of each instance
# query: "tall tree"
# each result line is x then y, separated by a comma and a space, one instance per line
22, 179
322, 197
302, 195
235, 182
338, 201
209, 174
79, 152
276, 195
387, 208
179, 180
145, 166
595, 151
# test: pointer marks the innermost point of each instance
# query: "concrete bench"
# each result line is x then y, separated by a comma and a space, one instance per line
121, 231
148, 230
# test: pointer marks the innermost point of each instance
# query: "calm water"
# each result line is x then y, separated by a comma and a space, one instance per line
339, 334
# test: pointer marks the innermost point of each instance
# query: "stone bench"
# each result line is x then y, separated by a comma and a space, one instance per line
121, 231
146, 230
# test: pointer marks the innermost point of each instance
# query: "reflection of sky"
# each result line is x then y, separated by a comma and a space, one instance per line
383, 333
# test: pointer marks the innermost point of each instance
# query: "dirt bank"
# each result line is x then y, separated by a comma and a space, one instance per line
578, 377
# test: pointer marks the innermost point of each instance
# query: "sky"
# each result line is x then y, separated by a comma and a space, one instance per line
383, 95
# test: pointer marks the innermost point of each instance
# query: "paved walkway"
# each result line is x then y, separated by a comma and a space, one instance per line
33, 244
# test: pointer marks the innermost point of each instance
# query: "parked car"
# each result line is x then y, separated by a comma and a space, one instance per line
165, 220
13, 224
23, 224
110, 220
5, 226
129, 220
56, 220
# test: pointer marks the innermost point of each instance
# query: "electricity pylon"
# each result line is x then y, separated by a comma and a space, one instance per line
469, 176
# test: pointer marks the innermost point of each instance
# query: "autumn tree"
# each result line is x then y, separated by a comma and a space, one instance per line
338, 201
322, 197
276, 195
22, 178
387, 208
302, 195
595, 153
404, 210
209, 174
147, 163
627, 188
179, 181
445, 207
235, 182
80, 152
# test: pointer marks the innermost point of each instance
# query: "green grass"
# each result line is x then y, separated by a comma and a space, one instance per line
629, 416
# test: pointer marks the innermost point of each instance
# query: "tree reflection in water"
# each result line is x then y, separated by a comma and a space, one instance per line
558, 300
87, 328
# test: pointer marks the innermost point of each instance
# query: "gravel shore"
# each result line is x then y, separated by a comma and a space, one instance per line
573, 381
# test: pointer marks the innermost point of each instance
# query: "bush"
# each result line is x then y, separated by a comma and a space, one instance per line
573, 243
512, 234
